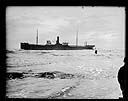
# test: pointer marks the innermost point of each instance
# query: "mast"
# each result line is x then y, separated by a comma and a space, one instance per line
37, 37
85, 43
77, 38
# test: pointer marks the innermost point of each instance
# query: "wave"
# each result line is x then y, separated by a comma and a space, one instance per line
25, 65
10, 51
45, 52
61, 55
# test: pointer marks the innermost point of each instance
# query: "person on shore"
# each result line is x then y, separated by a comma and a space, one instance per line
122, 78
95, 51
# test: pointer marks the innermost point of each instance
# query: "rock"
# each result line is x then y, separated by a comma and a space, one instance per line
66, 76
48, 75
14, 75
55, 74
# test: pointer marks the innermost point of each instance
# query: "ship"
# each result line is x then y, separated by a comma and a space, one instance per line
56, 46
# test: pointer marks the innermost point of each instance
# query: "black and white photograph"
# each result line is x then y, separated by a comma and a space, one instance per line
65, 52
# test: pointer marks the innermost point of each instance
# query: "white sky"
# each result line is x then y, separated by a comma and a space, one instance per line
102, 26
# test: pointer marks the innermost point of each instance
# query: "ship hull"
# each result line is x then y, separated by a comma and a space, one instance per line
27, 46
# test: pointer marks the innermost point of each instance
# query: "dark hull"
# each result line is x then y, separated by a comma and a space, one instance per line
27, 46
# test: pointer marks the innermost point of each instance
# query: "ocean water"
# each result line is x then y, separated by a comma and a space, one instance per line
95, 75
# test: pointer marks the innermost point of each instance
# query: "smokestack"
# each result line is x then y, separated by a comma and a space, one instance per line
57, 42
37, 37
